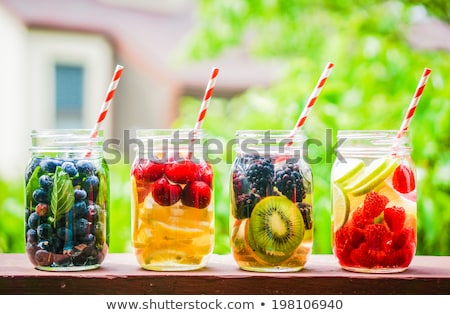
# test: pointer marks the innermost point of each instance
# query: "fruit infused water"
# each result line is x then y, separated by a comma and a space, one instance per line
271, 202
373, 202
66, 201
172, 201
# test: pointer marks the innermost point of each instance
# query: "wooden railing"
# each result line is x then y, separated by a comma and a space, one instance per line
121, 274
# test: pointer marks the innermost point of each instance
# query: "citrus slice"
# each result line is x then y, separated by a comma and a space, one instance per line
345, 171
371, 176
377, 179
341, 208
174, 232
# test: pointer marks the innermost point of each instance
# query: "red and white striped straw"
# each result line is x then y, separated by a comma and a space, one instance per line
415, 100
206, 98
312, 99
108, 99
106, 104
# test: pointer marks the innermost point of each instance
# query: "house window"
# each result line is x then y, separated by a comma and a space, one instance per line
69, 96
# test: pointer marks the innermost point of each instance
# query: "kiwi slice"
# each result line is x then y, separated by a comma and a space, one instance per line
275, 229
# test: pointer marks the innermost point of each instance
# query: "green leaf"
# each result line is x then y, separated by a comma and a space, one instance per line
32, 185
62, 196
102, 196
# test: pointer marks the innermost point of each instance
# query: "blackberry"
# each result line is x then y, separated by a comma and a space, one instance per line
260, 176
306, 211
240, 183
289, 182
245, 204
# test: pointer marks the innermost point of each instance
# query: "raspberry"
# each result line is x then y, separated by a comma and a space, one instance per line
182, 172
196, 194
359, 218
350, 235
164, 193
403, 179
374, 204
360, 256
376, 236
395, 218
403, 238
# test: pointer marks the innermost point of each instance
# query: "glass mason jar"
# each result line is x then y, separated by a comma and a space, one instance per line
271, 191
373, 202
66, 201
172, 200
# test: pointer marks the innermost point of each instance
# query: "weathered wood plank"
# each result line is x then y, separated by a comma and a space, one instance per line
121, 274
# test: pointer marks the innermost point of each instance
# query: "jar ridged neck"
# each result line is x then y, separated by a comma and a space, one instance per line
66, 142
360, 143
267, 142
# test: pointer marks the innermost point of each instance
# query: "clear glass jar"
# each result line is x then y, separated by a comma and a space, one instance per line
374, 207
172, 200
66, 201
271, 190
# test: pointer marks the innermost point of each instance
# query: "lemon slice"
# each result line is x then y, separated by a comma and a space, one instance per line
341, 208
372, 176
345, 171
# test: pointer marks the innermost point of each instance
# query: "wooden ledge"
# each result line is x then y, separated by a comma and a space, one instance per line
121, 274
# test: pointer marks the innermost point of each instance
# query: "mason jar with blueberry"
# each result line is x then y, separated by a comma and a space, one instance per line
66, 201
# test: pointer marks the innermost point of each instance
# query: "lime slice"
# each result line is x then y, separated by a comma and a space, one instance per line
372, 176
341, 208
345, 171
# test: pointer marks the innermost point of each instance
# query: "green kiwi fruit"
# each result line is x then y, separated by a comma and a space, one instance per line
275, 229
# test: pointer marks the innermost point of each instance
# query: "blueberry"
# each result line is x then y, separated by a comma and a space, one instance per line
91, 185
30, 168
45, 182
56, 244
80, 194
33, 221
40, 195
64, 233
85, 167
45, 245
31, 236
81, 227
87, 239
77, 181
44, 231
69, 168
49, 165
80, 210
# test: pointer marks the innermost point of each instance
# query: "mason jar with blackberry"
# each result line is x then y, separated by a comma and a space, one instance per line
271, 201
66, 201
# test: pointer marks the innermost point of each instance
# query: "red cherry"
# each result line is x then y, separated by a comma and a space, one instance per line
206, 174
403, 179
182, 172
146, 170
196, 194
165, 193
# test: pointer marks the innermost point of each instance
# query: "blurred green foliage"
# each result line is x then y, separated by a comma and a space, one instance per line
371, 86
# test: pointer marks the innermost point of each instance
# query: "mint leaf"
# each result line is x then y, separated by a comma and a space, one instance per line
62, 197
32, 185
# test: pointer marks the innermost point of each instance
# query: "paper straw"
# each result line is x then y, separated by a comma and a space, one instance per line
415, 100
312, 99
206, 98
106, 104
